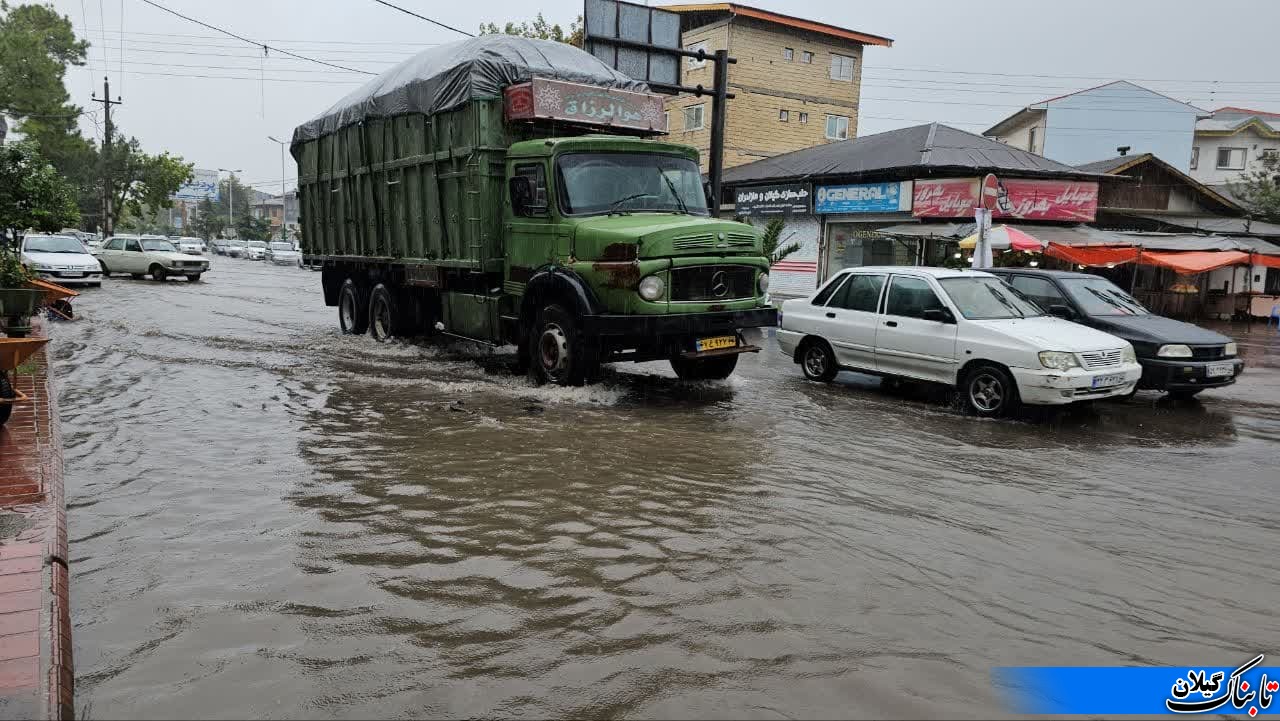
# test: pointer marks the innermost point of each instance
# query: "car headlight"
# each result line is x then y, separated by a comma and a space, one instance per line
1229, 349
1058, 360
652, 287
1174, 351
763, 283
41, 266
1129, 355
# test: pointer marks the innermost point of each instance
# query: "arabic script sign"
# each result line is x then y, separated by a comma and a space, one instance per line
772, 199
203, 184
863, 198
1015, 198
557, 100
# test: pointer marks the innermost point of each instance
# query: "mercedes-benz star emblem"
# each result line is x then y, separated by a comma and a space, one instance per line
719, 288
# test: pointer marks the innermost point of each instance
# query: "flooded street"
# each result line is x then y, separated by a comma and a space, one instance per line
269, 519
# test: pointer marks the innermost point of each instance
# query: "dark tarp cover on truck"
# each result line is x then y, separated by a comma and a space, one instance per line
450, 75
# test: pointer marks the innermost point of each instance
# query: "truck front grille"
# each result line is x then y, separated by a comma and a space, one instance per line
712, 283
690, 242
1102, 358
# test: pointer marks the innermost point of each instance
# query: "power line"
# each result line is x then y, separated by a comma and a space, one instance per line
102, 16
424, 17
310, 41
247, 40
244, 77
226, 67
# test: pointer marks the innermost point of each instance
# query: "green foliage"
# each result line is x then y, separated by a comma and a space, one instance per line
1258, 190
251, 228
539, 29
36, 46
142, 184
772, 238
32, 194
13, 274
208, 221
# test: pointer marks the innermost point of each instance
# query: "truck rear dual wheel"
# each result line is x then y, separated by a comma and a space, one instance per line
558, 353
704, 369
353, 308
384, 315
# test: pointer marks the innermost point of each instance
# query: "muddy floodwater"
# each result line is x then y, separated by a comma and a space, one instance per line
269, 519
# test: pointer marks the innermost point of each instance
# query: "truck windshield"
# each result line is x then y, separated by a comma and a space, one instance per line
595, 183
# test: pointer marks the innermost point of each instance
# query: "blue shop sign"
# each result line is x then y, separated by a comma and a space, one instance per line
863, 198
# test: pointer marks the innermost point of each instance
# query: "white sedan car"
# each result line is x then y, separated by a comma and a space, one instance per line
62, 259
280, 253
190, 246
256, 250
961, 328
156, 257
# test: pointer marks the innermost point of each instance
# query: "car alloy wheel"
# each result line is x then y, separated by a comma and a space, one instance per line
987, 392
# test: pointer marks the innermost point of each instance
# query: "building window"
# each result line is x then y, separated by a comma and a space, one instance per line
804, 117
1195, 157
695, 63
693, 117
841, 67
1231, 158
1031, 139
788, 54
784, 115
837, 127
806, 56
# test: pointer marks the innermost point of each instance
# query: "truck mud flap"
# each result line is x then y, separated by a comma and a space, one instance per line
695, 355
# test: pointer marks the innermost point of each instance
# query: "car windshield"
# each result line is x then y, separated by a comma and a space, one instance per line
1099, 296
257, 244
236, 243
158, 245
281, 246
52, 244
595, 183
987, 299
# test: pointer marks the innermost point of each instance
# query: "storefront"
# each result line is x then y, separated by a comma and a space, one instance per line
851, 213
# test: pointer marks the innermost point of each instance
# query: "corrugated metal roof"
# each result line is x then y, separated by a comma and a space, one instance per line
917, 150
1235, 122
790, 21
1214, 224
1111, 165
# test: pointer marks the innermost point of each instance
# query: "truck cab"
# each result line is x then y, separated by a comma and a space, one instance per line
613, 256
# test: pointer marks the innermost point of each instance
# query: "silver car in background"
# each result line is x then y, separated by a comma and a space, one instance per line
281, 253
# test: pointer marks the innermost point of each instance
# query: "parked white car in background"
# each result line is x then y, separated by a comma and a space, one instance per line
280, 253
61, 259
256, 250
156, 257
190, 246
961, 328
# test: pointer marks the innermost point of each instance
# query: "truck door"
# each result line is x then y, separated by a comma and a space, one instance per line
533, 238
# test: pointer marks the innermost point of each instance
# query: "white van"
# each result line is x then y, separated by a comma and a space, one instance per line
962, 328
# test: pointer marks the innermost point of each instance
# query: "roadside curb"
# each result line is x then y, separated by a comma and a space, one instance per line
36, 676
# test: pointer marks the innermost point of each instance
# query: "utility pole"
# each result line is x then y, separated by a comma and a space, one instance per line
284, 202
107, 102
231, 196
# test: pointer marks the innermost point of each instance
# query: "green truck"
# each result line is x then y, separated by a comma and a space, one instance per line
470, 191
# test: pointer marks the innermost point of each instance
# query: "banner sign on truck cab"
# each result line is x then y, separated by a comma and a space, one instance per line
1015, 198
587, 104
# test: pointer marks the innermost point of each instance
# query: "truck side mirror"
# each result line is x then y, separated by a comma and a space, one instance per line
706, 193
521, 194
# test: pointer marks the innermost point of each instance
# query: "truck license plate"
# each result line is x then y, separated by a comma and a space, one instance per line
1219, 370
1114, 379
721, 341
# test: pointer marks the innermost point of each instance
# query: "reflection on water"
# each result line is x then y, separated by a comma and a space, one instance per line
270, 519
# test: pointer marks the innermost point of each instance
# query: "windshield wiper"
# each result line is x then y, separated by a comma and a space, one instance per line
1005, 301
684, 209
1109, 300
620, 201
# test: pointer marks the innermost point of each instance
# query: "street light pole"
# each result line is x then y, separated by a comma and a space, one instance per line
231, 194
284, 201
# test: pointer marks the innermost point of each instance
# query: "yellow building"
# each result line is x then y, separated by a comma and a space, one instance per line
796, 82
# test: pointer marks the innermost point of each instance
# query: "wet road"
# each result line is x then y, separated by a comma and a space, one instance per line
269, 519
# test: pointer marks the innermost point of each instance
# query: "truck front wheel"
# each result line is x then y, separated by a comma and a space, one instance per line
353, 309
705, 369
557, 351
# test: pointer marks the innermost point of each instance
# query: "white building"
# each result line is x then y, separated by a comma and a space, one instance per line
1233, 142
1093, 124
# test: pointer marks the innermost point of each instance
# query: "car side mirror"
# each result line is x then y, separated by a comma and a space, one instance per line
521, 195
938, 315
1062, 311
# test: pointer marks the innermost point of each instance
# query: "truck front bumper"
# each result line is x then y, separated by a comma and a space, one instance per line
681, 324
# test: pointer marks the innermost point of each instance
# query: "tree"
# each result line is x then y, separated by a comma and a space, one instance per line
207, 221
142, 184
252, 228
1259, 190
36, 46
32, 194
539, 29
772, 237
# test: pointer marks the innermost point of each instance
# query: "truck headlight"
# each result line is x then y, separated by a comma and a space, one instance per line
1174, 351
1129, 355
763, 283
652, 287
1058, 360
1229, 349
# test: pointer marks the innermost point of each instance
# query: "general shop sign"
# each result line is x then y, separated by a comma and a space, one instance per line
772, 199
1015, 198
863, 198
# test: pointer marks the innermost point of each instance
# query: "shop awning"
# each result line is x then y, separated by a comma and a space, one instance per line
1194, 261
927, 230
1092, 255
1271, 261
1005, 236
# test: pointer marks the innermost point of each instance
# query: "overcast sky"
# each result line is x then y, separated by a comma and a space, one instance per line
967, 64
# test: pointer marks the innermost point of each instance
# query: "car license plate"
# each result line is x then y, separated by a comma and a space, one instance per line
71, 275
1114, 379
721, 341
1219, 370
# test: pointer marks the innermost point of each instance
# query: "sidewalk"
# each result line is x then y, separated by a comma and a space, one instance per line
36, 679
